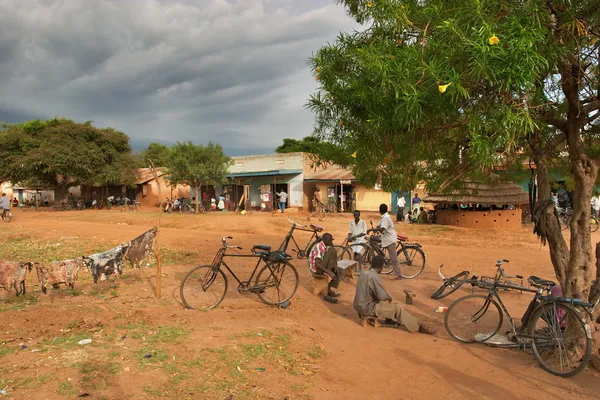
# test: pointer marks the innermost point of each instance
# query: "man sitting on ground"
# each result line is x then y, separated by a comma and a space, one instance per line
323, 261
422, 218
372, 300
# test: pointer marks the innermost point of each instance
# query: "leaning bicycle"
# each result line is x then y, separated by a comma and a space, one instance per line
6, 216
411, 257
556, 328
276, 282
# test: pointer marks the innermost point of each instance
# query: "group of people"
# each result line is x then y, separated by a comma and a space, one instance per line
417, 214
371, 300
562, 200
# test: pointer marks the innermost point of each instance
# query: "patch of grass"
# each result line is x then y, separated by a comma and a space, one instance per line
113, 293
65, 389
196, 362
97, 374
114, 354
62, 342
25, 247
316, 352
18, 302
168, 334
5, 350
150, 390
158, 355
174, 257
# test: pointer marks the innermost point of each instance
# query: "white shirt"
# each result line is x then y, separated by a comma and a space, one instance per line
282, 197
401, 202
355, 229
389, 235
596, 202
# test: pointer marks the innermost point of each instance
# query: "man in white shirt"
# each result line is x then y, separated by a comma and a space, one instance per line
596, 205
282, 200
400, 208
357, 230
389, 237
4, 204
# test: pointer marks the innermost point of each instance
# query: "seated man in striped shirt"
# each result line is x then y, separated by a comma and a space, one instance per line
322, 261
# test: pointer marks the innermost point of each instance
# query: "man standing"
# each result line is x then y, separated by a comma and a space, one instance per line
596, 205
416, 201
322, 261
282, 200
389, 237
400, 208
4, 204
372, 300
357, 231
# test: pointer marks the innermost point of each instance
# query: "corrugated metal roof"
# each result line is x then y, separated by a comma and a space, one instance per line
330, 174
144, 175
266, 173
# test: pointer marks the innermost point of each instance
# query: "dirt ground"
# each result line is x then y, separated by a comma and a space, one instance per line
145, 348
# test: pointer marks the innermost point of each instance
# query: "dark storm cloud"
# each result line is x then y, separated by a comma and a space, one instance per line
230, 71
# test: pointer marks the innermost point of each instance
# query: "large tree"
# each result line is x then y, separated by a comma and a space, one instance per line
197, 165
318, 150
60, 153
442, 91
158, 153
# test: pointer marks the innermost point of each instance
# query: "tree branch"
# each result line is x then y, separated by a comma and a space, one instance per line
558, 123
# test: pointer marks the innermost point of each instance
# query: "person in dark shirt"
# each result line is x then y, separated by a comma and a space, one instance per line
372, 299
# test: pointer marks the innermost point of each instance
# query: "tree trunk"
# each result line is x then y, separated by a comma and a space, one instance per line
559, 252
198, 186
578, 279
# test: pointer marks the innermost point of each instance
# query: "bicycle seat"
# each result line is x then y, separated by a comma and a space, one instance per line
535, 281
261, 247
402, 238
317, 228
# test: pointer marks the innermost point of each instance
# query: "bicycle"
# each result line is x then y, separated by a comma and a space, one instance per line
411, 257
314, 239
210, 281
453, 283
558, 318
7, 216
319, 209
565, 215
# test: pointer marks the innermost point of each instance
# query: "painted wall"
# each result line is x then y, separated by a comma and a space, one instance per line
294, 183
499, 219
267, 162
151, 199
369, 199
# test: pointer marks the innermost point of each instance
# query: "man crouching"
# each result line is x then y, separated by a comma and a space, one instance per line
322, 261
372, 300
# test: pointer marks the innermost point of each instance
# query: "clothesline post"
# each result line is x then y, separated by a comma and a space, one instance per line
157, 247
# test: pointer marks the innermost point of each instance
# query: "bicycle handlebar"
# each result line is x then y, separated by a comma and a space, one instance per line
297, 224
224, 240
499, 262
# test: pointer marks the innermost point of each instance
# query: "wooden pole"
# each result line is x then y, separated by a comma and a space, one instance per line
156, 245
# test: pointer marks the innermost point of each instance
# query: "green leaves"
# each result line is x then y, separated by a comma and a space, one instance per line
197, 165
62, 153
427, 80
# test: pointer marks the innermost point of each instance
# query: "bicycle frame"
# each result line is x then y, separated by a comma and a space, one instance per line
218, 262
290, 236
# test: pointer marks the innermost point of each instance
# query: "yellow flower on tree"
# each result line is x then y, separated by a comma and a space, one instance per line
442, 88
318, 69
494, 40
354, 155
370, 4
318, 77
341, 123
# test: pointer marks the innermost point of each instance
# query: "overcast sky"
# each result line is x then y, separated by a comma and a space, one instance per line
231, 71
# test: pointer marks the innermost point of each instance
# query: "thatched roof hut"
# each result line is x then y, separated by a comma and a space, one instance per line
477, 193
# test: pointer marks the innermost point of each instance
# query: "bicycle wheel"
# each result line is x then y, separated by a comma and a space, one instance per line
203, 288
450, 286
8, 217
411, 260
473, 318
343, 252
593, 224
359, 256
301, 254
387, 265
561, 339
277, 286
